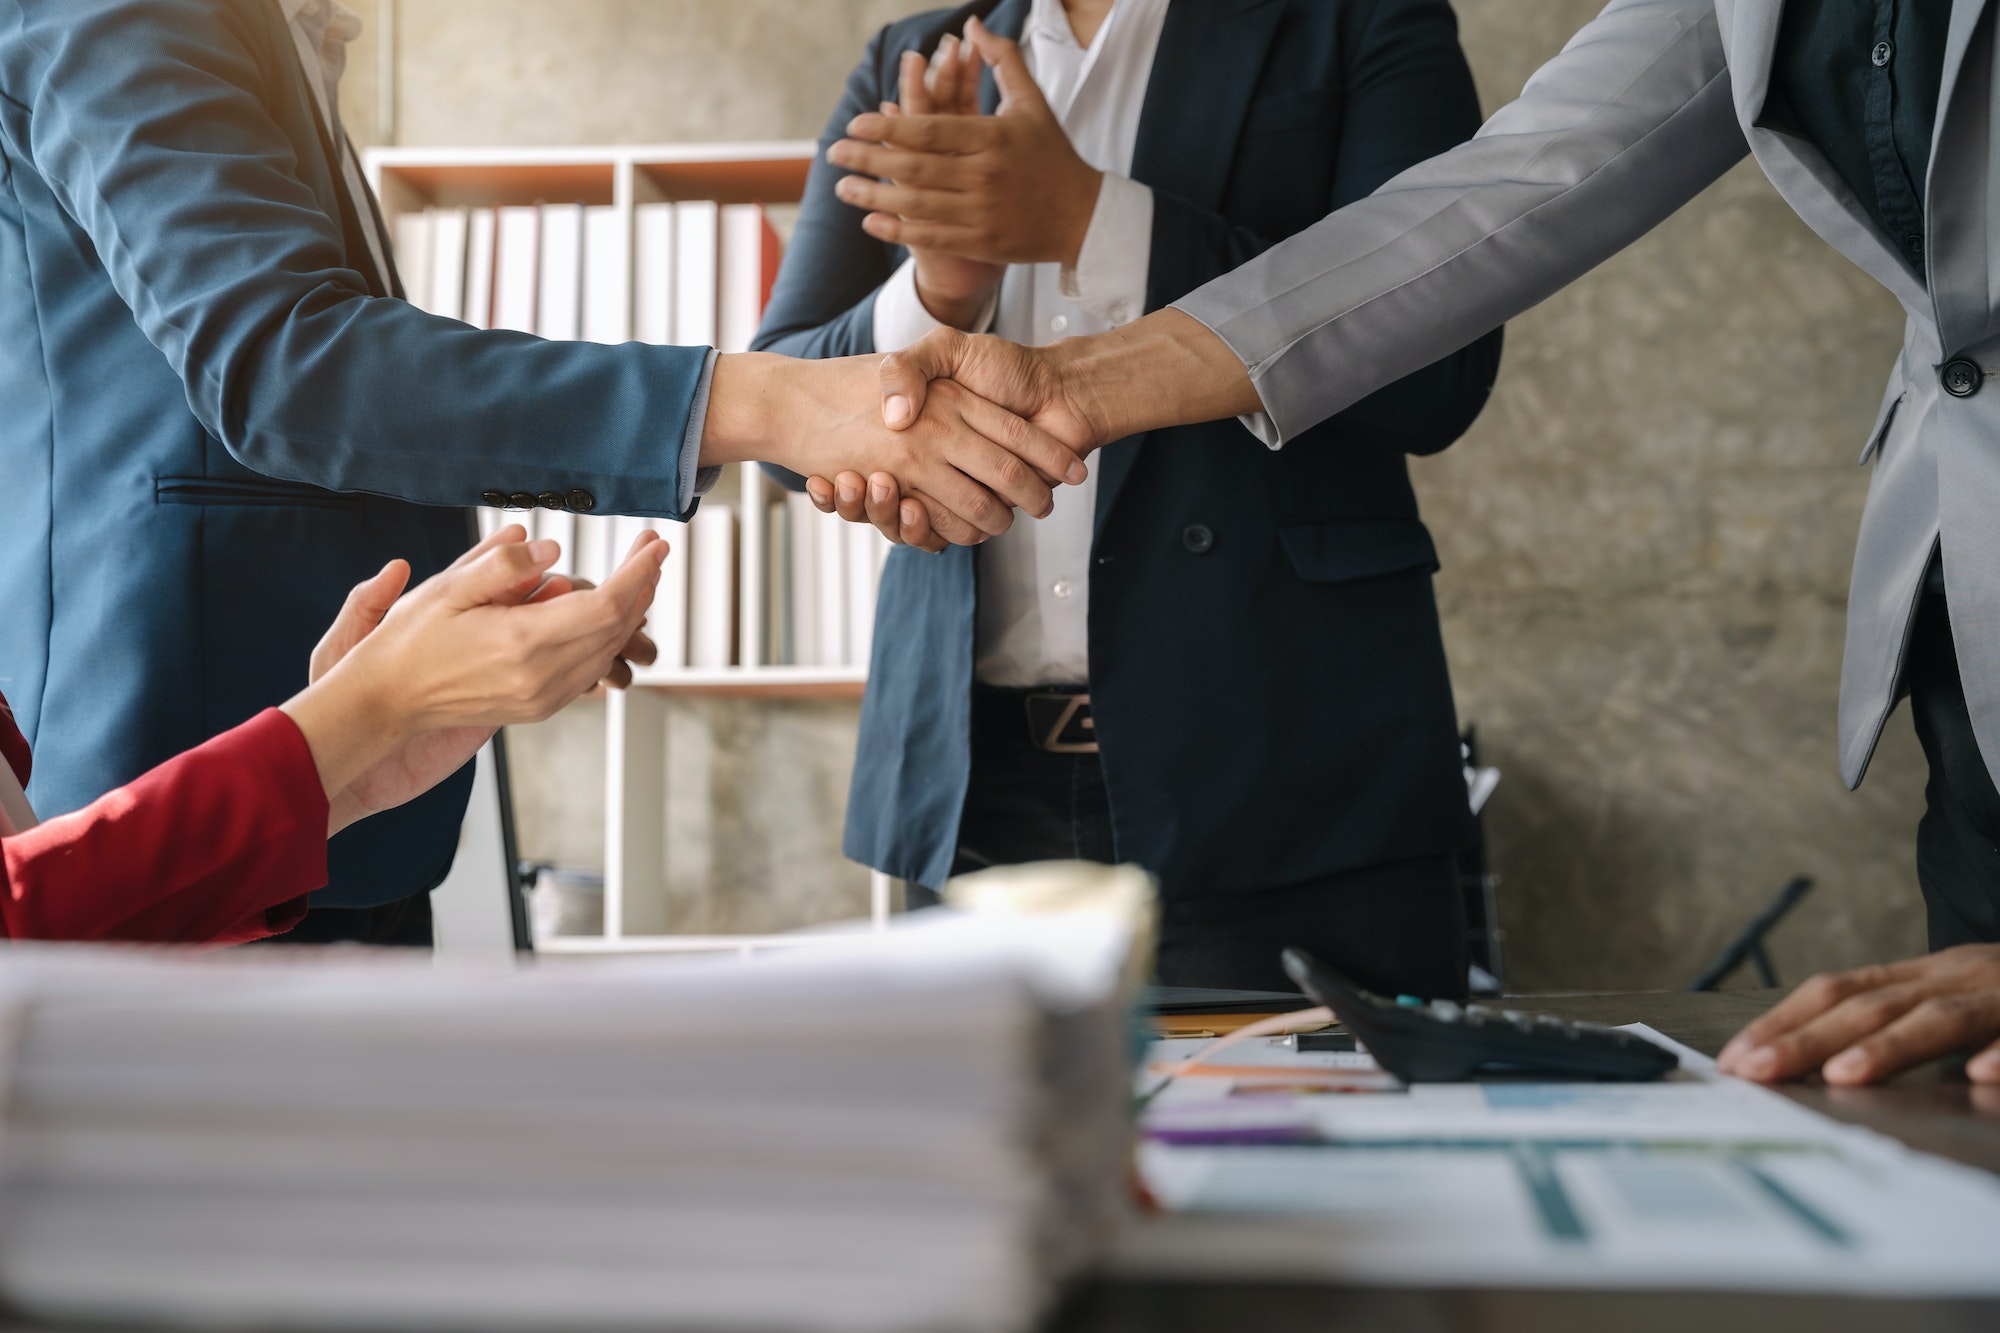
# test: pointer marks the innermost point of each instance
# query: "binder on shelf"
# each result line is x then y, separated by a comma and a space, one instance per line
516, 267
748, 267
800, 516
830, 535
413, 257
605, 295
670, 600
592, 545
559, 281
481, 228
696, 251
653, 273
448, 234
712, 588
778, 648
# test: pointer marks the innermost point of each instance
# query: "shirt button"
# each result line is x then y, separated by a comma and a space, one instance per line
1121, 313
1915, 240
1880, 55
1062, 588
493, 499
521, 500
551, 500
1198, 538
1961, 378
582, 501
1059, 324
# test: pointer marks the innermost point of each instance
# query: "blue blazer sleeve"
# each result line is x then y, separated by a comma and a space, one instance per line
157, 123
1408, 96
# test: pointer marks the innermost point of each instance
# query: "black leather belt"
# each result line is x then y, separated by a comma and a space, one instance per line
1059, 721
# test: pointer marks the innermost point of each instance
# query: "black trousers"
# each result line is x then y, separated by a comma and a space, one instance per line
1396, 928
405, 924
1958, 839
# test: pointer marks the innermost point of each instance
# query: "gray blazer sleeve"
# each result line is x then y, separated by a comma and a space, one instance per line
1634, 118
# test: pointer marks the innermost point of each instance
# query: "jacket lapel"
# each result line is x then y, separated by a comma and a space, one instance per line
1956, 214
1204, 78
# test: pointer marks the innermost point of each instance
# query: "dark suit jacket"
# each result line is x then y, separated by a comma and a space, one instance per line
1266, 672
212, 424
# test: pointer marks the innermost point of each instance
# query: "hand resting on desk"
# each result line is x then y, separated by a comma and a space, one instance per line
1863, 1025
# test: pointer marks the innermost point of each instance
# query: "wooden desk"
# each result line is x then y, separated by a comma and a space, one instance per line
1933, 1109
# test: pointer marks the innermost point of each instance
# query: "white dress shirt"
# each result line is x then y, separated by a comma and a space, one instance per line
1034, 581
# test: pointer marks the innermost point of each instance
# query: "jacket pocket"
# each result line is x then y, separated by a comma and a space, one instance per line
1364, 549
264, 491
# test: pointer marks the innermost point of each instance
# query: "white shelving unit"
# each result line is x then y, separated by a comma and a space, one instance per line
624, 176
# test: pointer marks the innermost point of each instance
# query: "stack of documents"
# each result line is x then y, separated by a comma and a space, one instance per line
926, 1128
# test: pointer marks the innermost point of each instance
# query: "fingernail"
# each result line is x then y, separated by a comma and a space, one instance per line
544, 552
1983, 1068
1078, 473
897, 410
878, 493
1849, 1065
850, 493
1732, 1051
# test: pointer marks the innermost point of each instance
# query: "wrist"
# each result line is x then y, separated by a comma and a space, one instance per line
349, 726
746, 420
1167, 369
960, 310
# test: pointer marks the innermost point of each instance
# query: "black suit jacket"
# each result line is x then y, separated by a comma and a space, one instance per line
1267, 676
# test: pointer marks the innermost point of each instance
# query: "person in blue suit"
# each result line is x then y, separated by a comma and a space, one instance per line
1218, 660
216, 415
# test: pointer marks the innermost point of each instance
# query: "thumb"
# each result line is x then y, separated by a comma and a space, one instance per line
363, 610
504, 575
1019, 93
906, 375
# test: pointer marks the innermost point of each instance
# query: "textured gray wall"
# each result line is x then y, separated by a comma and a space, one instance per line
1646, 538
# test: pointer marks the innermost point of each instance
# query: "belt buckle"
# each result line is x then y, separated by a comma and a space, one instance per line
1061, 723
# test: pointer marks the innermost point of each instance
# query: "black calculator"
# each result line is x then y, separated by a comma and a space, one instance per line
1443, 1042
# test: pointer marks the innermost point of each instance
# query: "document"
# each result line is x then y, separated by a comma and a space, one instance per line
1696, 1182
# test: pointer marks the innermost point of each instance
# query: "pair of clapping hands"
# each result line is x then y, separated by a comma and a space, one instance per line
967, 194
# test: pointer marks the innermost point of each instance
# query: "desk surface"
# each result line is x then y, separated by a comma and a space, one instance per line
1933, 1109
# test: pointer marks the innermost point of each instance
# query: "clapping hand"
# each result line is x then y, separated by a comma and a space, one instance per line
406, 688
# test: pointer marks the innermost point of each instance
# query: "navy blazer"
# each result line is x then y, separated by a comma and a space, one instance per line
214, 420
1266, 673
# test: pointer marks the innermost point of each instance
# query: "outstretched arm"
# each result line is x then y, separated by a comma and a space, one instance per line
1631, 120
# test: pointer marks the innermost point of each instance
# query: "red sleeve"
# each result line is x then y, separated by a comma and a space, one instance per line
219, 845
13, 745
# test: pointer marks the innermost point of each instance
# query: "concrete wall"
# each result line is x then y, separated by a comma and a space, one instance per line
1646, 538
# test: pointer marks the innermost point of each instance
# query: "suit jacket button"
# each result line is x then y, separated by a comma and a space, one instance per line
493, 499
582, 501
551, 500
1961, 378
1198, 538
521, 500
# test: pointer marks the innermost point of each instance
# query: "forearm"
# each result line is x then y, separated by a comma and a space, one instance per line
1634, 118
1166, 369
200, 849
349, 725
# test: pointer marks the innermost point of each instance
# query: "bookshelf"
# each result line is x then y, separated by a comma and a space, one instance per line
624, 178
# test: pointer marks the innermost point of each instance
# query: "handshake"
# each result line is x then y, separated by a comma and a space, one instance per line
942, 442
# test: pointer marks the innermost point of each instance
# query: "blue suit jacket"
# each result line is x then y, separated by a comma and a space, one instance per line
213, 421
1270, 694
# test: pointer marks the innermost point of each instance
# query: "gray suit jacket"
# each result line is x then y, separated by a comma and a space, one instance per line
1647, 105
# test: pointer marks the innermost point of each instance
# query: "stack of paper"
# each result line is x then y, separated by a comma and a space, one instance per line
919, 1129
